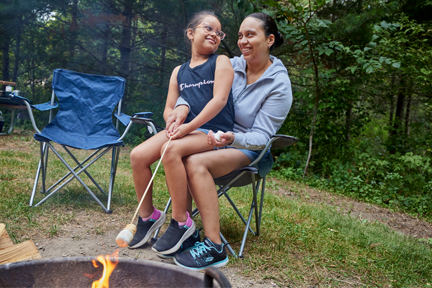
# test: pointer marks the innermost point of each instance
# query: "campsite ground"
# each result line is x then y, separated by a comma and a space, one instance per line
90, 232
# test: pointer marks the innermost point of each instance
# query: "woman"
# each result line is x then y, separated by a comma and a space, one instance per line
262, 99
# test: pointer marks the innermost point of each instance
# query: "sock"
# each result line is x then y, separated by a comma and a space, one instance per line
188, 221
155, 215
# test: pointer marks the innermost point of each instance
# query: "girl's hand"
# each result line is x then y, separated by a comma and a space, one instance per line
176, 118
180, 132
225, 139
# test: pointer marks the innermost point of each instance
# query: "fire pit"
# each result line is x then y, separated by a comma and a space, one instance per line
80, 272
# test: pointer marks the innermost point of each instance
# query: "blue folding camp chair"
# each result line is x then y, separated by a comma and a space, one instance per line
250, 174
83, 121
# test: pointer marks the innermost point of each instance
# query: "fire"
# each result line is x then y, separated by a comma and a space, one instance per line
109, 267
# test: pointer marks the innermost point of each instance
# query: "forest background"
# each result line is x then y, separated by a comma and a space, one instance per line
361, 73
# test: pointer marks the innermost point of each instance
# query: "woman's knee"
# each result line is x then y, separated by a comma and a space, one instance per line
194, 164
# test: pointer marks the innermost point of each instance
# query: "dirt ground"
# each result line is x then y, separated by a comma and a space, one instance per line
80, 238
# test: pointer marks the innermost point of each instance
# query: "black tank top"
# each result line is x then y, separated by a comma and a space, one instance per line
196, 87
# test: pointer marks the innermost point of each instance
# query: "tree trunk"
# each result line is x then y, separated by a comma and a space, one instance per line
390, 131
125, 47
399, 112
348, 120
408, 116
73, 33
17, 52
313, 124
5, 51
163, 52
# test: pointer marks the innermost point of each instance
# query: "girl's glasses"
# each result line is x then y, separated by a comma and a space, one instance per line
210, 30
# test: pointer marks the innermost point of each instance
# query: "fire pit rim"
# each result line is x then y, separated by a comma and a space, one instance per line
206, 276
60, 260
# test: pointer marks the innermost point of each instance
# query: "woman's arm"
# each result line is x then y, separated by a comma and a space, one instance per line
224, 76
269, 117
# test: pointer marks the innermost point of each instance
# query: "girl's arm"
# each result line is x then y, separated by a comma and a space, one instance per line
224, 76
173, 95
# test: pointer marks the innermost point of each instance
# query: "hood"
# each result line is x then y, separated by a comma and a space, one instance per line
239, 65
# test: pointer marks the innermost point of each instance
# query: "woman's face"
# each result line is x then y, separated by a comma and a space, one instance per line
203, 40
252, 41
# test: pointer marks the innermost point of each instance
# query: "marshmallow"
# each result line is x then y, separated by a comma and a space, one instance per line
126, 235
218, 134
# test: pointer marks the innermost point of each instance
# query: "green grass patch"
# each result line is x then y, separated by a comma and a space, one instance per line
300, 243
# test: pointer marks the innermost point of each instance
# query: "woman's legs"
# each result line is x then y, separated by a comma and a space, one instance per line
141, 158
201, 169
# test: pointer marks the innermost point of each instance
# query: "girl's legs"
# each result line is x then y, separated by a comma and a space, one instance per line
175, 171
181, 227
141, 158
201, 169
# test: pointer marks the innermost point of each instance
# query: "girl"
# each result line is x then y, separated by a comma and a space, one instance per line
205, 83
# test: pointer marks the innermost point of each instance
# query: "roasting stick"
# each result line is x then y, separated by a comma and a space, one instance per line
126, 235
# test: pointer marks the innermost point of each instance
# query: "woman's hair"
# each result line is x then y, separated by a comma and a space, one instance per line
270, 27
196, 20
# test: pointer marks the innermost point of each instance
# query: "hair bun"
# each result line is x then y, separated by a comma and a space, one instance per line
279, 40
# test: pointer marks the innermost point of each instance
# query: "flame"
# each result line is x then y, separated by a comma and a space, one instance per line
109, 267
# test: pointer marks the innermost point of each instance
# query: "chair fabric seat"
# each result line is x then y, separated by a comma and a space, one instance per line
78, 141
245, 179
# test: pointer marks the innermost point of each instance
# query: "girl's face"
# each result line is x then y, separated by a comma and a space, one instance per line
252, 41
203, 40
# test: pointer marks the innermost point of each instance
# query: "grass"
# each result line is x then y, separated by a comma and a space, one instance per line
300, 243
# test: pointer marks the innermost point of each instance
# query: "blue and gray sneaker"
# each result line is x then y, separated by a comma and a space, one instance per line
173, 237
188, 244
204, 254
145, 229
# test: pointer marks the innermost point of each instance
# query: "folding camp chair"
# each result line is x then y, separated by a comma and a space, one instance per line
242, 177
83, 121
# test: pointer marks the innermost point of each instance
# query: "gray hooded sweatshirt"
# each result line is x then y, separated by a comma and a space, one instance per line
261, 107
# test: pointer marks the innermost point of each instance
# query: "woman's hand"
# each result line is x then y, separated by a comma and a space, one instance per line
176, 118
225, 139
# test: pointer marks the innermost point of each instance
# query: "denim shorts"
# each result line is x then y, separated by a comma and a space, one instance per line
264, 165
206, 131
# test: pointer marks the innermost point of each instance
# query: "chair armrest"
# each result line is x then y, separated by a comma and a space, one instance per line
282, 141
151, 125
276, 142
27, 103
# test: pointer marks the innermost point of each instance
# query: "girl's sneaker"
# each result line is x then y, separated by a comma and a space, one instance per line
204, 254
173, 237
145, 229
188, 244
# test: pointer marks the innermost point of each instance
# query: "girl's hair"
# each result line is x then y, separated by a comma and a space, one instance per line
270, 27
196, 20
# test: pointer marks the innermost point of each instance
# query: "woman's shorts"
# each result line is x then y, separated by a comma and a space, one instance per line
264, 165
206, 131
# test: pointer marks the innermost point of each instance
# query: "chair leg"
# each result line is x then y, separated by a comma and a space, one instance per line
75, 168
42, 153
253, 207
80, 166
45, 165
228, 245
258, 224
36, 180
154, 238
246, 232
115, 156
75, 175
